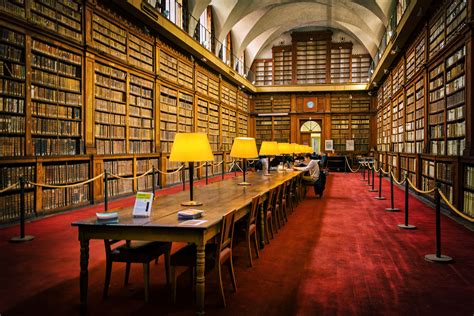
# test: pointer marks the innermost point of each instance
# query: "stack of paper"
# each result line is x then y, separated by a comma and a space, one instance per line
190, 214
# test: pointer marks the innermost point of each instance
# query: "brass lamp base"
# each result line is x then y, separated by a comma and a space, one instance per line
245, 183
191, 203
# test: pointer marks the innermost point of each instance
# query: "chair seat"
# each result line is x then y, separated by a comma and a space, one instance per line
140, 251
186, 256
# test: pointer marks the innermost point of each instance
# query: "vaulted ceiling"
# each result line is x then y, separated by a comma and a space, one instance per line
257, 24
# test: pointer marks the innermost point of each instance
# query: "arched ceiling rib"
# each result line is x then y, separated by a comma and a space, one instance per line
255, 23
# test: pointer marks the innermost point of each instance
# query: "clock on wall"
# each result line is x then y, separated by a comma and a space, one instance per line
310, 104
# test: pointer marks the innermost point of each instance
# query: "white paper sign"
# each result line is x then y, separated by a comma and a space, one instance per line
328, 144
143, 203
349, 145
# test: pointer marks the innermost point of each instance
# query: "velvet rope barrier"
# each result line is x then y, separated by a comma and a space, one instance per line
353, 171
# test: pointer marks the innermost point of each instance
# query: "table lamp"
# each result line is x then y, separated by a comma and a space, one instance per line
191, 147
269, 149
245, 148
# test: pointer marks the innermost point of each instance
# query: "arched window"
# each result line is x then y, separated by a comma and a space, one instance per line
310, 127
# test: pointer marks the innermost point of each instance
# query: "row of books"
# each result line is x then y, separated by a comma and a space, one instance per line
12, 146
55, 96
12, 105
57, 146
55, 66
10, 206
109, 131
11, 174
110, 147
12, 124
13, 70
141, 147
59, 198
66, 173
54, 127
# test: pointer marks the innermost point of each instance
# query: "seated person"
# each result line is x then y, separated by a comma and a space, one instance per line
276, 161
324, 160
312, 167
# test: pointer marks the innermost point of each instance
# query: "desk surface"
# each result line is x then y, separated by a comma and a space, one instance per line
219, 198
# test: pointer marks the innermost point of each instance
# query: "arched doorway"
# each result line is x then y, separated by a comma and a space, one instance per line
311, 134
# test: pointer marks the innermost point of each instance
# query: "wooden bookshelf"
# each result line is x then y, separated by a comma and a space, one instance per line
263, 129
108, 37
387, 90
263, 104
185, 74
420, 52
398, 116
263, 70
228, 128
456, 15
420, 114
228, 94
340, 131
379, 121
311, 61
243, 102
436, 36
168, 117
142, 165
398, 76
14, 8
341, 62
410, 138
360, 65
360, 132
141, 122
282, 65
56, 99
468, 188
168, 66
360, 102
281, 129
110, 103
408, 165
12, 93
185, 112
243, 125
122, 168
410, 63
340, 102
387, 127
436, 107
214, 126
202, 125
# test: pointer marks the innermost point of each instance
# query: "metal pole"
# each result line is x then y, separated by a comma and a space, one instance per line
407, 189
207, 173
22, 236
191, 180
362, 167
380, 197
106, 191
153, 181
438, 257
183, 176
223, 168
392, 208
373, 180
368, 174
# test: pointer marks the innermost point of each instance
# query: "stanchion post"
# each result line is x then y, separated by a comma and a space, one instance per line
183, 176
207, 173
22, 236
363, 171
407, 189
373, 180
380, 197
392, 207
153, 180
368, 174
438, 257
223, 169
106, 191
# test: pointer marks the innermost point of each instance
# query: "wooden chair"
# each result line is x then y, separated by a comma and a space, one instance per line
216, 255
269, 210
251, 229
278, 206
135, 252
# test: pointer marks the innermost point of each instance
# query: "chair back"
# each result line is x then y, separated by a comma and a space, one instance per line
271, 199
227, 230
253, 211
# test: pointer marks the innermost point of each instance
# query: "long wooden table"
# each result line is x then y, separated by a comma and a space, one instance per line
163, 225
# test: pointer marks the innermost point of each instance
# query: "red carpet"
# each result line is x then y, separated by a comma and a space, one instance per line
342, 254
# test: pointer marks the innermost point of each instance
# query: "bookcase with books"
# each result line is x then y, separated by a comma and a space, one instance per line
243, 125
242, 102
360, 102
281, 129
56, 99
444, 176
360, 131
436, 36
387, 90
60, 17
468, 187
436, 106
360, 68
10, 174
12, 93
202, 82
263, 70
142, 165
340, 102
122, 168
341, 62
340, 131
409, 146
140, 52
455, 102
110, 100
427, 174
387, 127
185, 113
311, 65
168, 66
379, 121
214, 126
410, 63
281, 104
456, 15
263, 129
398, 115
420, 52
106, 35
408, 165
392, 164
140, 115
168, 117
228, 94
228, 128
263, 104
13, 7
282, 65
202, 116
398, 76
185, 74
420, 114
62, 173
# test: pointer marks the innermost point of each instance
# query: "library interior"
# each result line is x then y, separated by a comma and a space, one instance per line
94, 95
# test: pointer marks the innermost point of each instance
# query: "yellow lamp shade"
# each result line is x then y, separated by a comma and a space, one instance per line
191, 147
284, 148
310, 149
269, 148
299, 149
293, 148
244, 147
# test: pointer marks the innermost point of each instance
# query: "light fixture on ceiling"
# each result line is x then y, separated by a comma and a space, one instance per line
385, 71
204, 59
395, 50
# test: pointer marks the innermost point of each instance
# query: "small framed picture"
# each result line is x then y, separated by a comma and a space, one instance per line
328, 144
349, 145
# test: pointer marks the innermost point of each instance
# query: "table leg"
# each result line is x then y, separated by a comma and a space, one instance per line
84, 272
200, 277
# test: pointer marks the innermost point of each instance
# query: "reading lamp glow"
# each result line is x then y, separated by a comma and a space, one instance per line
269, 149
191, 147
245, 148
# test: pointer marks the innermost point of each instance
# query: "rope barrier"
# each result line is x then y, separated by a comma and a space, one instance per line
353, 171
384, 172
130, 178
418, 190
395, 179
10, 187
218, 164
466, 217
65, 185
172, 172
201, 166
